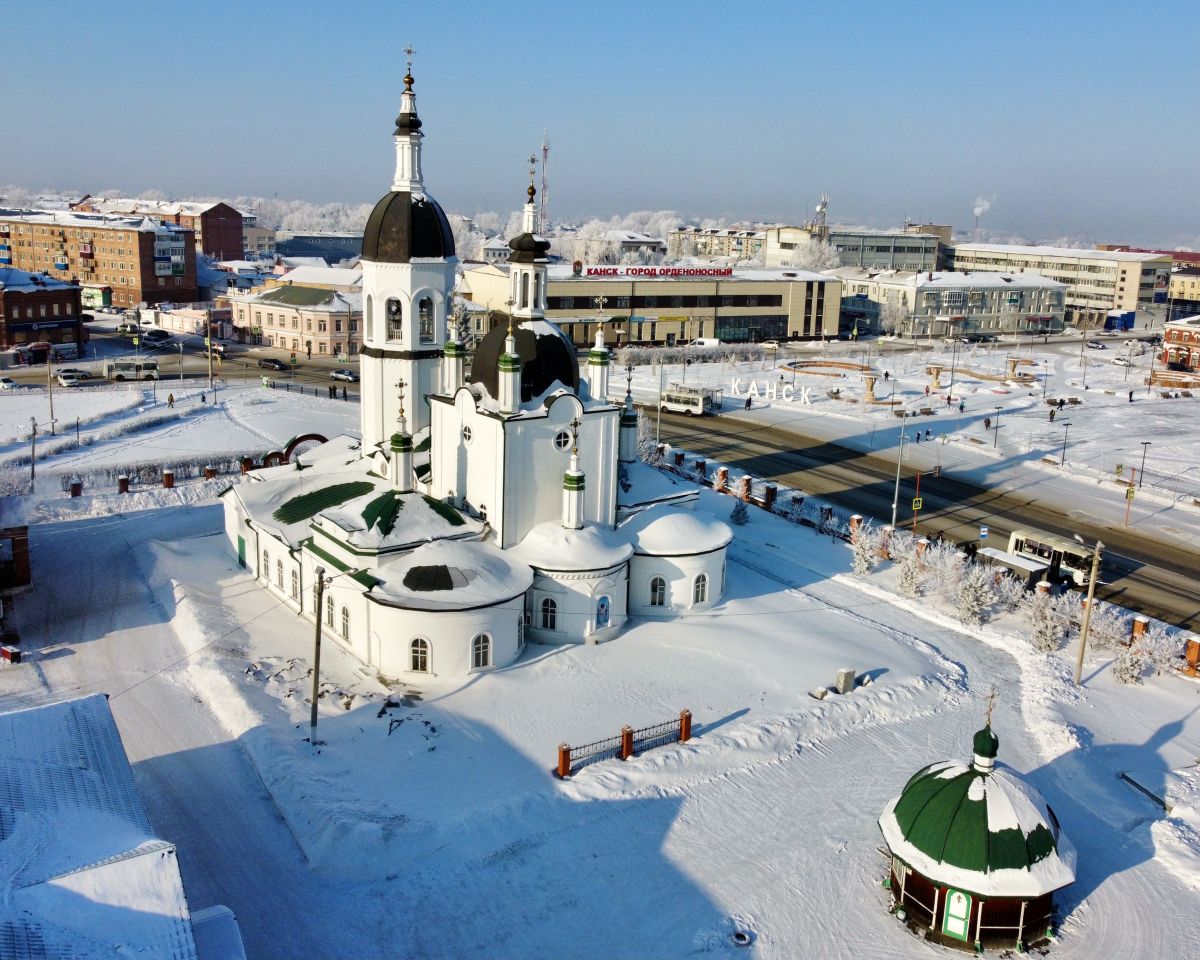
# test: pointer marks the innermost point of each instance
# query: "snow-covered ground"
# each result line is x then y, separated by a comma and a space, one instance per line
1103, 430
435, 828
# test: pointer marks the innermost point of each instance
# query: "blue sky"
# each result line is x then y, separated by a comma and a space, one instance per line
1073, 119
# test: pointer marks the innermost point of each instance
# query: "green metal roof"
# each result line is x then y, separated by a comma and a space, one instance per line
297, 296
310, 504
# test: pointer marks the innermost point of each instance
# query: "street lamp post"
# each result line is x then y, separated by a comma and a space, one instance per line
32, 451
1142, 474
996, 438
1087, 614
181, 363
899, 456
1066, 427
316, 687
953, 364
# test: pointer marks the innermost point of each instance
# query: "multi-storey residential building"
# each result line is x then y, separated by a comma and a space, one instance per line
1098, 281
216, 225
256, 241
874, 250
668, 305
305, 320
938, 304
123, 260
1179, 258
736, 242
35, 307
332, 247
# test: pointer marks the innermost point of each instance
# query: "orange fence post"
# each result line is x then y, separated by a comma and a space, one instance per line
685, 726
564, 760
1193, 656
626, 742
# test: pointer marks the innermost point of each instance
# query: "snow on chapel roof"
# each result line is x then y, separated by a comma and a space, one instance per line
451, 575
665, 531
551, 546
83, 873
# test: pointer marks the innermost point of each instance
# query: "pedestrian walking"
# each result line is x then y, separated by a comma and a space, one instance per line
1061, 403
926, 389
170, 400
344, 394
202, 399
962, 406
987, 423
918, 436
927, 433
1131, 396
949, 400
886, 376
748, 403
1052, 413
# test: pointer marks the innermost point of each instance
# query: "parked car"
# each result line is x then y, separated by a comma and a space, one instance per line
1096, 345
72, 371
68, 380
770, 344
348, 375
156, 336
1121, 362
8, 383
270, 363
127, 328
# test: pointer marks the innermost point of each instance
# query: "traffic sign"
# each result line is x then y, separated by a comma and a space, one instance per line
983, 532
917, 503
1129, 491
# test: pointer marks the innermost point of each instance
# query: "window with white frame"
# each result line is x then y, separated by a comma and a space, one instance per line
549, 614
425, 320
345, 622
658, 592
329, 612
700, 589
420, 656
295, 584
481, 651
395, 319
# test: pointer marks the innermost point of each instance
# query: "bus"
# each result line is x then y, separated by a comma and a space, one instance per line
691, 401
1065, 559
140, 369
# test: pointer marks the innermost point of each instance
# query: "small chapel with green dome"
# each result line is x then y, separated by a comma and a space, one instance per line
976, 853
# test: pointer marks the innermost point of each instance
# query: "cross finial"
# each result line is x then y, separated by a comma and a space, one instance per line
600, 301
575, 424
629, 379
400, 388
408, 79
991, 703
509, 303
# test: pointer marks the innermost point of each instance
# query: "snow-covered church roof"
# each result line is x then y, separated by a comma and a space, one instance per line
666, 531
451, 575
551, 546
980, 828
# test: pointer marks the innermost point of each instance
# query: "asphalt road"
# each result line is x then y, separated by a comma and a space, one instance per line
1152, 578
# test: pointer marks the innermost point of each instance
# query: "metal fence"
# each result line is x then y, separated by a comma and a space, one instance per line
629, 742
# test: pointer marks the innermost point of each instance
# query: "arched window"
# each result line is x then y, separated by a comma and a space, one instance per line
295, 585
425, 319
329, 612
537, 291
345, 622
420, 656
700, 589
279, 573
369, 318
315, 602
524, 290
481, 651
549, 614
266, 566
395, 319
658, 592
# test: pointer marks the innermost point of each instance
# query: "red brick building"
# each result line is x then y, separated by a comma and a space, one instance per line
37, 308
140, 259
1181, 344
217, 226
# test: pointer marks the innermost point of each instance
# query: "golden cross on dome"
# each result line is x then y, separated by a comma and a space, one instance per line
628, 379
400, 387
509, 303
532, 167
991, 703
575, 424
408, 55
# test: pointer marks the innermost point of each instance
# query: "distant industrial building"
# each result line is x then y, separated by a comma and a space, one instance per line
873, 250
940, 304
1098, 281
669, 305
216, 225
122, 261
257, 241
332, 247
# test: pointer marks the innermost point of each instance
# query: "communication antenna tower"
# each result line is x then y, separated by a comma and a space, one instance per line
545, 223
819, 219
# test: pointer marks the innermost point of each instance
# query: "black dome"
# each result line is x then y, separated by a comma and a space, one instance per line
526, 248
546, 356
403, 226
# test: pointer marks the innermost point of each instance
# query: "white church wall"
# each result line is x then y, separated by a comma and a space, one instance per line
468, 469
236, 527
449, 635
578, 608
680, 574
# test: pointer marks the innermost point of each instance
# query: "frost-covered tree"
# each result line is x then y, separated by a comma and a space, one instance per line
739, 515
647, 445
1109, 626
1045, 627
909, 582
1130, 664
1009, 592
814, 254
943, 570
893, 318
975, 594
864, 551
468, 240
1163, 648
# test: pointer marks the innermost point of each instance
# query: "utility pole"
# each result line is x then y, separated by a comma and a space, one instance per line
658, 413
312, 722
181, 364
1142, 474
50, 388
208, 343
32, 452
996, 438
1087, 614
899, 456
1083, 358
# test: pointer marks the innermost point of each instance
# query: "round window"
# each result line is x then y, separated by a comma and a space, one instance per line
466, 434
563, 440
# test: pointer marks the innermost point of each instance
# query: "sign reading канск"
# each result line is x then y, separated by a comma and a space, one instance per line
631, 271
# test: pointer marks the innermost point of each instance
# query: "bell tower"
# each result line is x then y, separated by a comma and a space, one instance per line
408, 274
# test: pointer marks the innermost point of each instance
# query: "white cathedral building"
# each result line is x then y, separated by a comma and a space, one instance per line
473, 513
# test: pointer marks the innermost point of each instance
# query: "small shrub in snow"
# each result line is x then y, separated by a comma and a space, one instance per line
1008, 591
974, 595
1109, 627
739, 515
943, 570
1045, 627
1163, 649
1129, 665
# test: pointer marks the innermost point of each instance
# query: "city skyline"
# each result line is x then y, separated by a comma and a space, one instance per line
1061, 124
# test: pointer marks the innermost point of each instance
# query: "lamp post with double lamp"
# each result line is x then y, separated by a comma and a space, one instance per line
1142, 473
1066, 426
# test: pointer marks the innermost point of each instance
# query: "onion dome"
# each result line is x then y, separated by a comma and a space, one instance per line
528, 247
547, 357
980, 828
408, 121
404, 226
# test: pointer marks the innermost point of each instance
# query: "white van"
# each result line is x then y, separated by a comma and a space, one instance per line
705, 342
